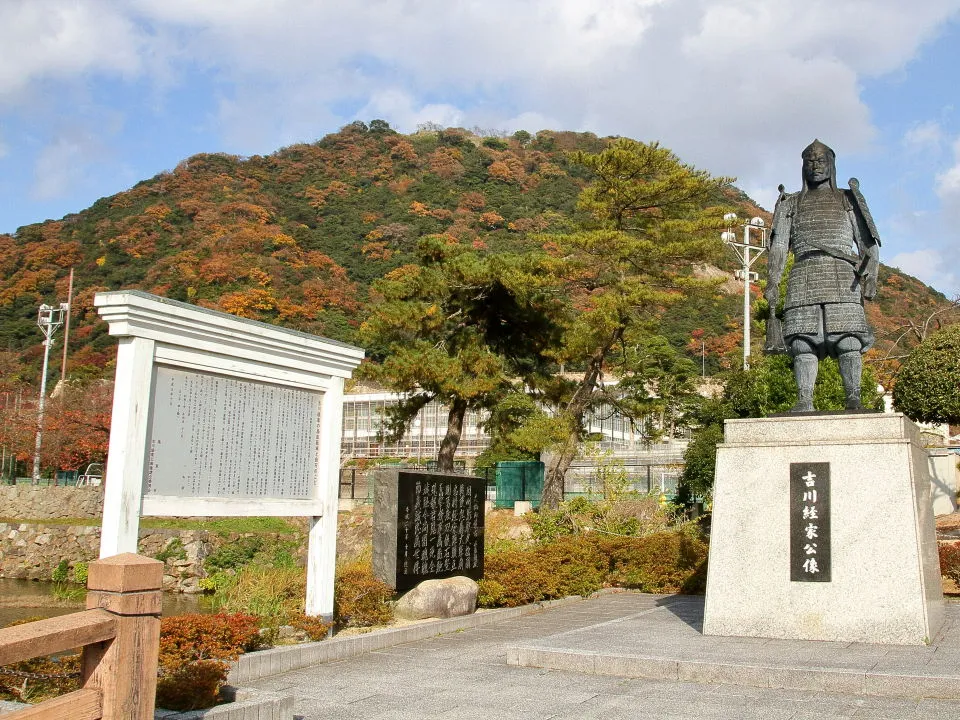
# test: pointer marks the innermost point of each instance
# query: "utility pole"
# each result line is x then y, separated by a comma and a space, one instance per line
742, 249
48, 319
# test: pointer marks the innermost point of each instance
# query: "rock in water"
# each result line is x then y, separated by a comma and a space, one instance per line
445, 598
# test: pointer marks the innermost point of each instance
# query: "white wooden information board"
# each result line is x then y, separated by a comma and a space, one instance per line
218, 415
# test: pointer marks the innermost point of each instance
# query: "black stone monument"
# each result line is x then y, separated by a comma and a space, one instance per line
426, 525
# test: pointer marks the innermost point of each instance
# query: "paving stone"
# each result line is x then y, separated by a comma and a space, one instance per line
465, 675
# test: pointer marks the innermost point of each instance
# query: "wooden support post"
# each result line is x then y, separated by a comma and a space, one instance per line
124, 669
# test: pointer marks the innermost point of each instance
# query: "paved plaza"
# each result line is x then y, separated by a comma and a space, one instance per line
466, 674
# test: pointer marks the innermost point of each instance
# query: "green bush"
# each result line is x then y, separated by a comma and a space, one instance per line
272, 594
580, 564
61, 572
173, 549
233, 555
80, 572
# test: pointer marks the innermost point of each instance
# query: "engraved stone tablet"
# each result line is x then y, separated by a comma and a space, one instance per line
810, 522
226, 437
427, 525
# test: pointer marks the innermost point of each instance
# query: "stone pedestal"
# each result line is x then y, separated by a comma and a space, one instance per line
883, 577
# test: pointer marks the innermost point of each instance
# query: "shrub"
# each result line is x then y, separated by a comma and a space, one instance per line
192, 687
360, 599
194, 650
233, 555
173, 549
80, 573
271, 593
629, 514
315, 628
514, 578
665, 562
950, 561
61, 572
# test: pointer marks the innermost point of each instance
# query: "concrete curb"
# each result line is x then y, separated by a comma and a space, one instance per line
827, 679
251, 667
248, 704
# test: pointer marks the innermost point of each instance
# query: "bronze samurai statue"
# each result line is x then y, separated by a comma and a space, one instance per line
835, 245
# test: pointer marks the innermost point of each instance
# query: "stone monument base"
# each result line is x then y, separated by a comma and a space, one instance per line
871, 543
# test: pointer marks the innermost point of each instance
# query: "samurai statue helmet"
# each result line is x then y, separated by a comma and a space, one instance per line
817, 149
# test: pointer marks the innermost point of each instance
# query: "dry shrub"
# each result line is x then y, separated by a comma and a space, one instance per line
666, 562
315, 628
950, 561
194, 652
360, 599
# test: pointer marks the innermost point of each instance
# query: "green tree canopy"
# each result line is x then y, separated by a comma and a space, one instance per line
460, 326
646, 221
928, 384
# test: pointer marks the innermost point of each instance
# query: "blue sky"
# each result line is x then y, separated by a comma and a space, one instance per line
96, 95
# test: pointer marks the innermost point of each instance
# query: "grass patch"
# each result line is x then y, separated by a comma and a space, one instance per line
217, 525
223, 525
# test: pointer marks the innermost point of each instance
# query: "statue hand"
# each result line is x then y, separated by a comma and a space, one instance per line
869, 284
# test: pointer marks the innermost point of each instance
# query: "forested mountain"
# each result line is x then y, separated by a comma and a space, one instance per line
296, 237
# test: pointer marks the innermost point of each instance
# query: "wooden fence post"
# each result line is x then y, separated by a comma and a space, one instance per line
124, 669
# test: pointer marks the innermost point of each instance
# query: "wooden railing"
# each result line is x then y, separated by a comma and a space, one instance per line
120, 636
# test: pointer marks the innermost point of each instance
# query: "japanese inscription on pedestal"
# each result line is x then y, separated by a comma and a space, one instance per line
810, 522
217, 436
436, 530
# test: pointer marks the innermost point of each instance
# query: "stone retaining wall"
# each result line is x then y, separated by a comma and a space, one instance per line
49, 503
32, 551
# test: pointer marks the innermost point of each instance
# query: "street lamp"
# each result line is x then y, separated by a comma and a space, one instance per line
48, 319
743, 250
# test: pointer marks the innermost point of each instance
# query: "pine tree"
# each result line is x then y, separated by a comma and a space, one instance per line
648, 222
462, 327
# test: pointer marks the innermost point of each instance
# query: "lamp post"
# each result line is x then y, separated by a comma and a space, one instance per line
743, 250
48, 319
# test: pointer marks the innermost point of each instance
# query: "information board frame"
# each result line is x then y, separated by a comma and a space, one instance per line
156, 332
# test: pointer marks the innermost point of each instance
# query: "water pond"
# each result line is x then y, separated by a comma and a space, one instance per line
28, 598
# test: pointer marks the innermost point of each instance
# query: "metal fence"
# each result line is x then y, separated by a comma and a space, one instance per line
646, 478
356, 484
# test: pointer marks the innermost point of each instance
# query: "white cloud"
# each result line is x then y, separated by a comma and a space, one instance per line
947, 187
63, 164
738, 87
64, 40
925, 135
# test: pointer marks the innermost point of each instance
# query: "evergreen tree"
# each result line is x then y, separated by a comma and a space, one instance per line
647, 222
461, 327
928, 384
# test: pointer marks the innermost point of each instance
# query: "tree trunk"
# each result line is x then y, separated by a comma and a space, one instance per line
555, 475
451, 440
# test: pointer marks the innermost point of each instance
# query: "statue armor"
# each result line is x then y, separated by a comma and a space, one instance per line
818, 222
835, 246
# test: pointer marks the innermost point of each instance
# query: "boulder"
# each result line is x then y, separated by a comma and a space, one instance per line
438, 599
